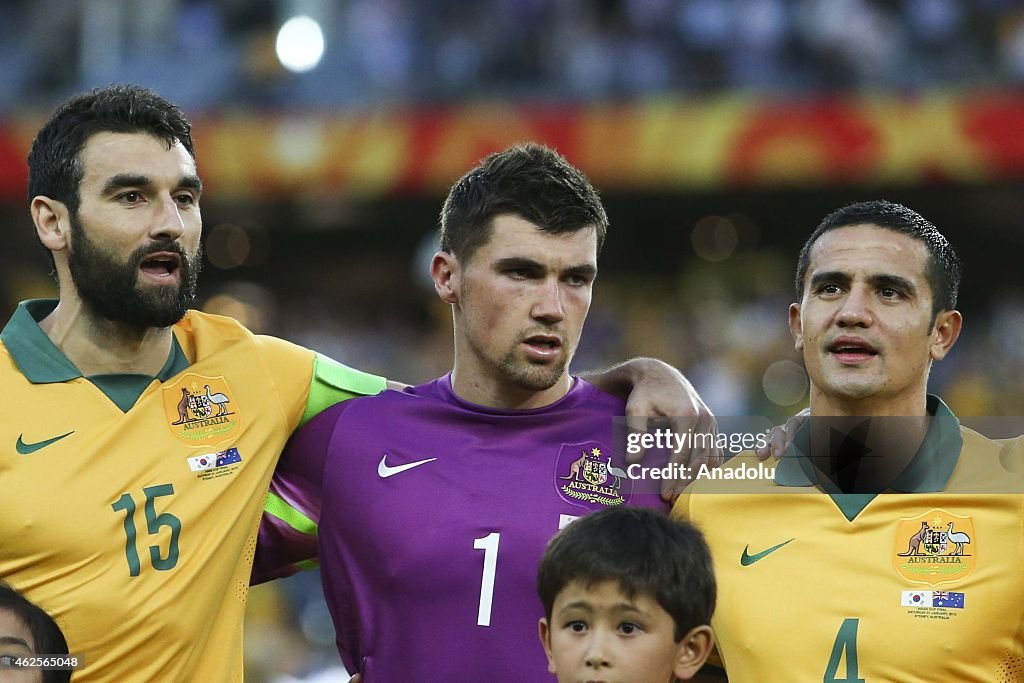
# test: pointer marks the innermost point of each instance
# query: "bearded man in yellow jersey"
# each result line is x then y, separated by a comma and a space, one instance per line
138, 436
887, 545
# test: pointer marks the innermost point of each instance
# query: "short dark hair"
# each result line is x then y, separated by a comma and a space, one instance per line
54, 164
46, 634
942, 269
530, 181
645, 552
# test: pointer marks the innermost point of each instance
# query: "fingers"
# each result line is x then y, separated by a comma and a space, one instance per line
636, 426
764, 452
671, 488
777, 440
781, 436
673, 420
704, 451
701, 445
678, 447
793, 425
664, 394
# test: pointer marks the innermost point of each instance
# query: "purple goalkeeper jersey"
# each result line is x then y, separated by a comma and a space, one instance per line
433, 514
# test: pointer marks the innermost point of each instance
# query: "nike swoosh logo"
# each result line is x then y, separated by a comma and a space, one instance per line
385, 471
27, 448
747, 560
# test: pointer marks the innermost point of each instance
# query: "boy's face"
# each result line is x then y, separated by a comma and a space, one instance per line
16, 641
597, 634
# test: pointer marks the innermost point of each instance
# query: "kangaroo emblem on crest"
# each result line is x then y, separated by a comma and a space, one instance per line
914, 546
182, 408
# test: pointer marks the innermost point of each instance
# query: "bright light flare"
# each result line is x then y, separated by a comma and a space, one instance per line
300, 44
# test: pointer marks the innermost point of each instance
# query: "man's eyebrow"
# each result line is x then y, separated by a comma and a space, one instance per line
122, 180
878, 281
191, 182
583, 270
829, 276
893, 281
514, 262
517, 262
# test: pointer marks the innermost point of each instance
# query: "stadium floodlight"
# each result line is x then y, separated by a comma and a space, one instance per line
300, 44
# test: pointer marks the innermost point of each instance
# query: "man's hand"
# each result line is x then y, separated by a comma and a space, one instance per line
659, 397
781, 436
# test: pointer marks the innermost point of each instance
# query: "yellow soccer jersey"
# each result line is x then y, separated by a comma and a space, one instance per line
130, 505
924, 583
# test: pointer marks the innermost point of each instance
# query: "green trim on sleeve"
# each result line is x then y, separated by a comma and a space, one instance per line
276, 506
307, 565
333, 383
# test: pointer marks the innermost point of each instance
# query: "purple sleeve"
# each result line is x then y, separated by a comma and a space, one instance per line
288, 533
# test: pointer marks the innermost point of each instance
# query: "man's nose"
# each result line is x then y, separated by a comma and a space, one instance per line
549, 307
856, 309
168, 221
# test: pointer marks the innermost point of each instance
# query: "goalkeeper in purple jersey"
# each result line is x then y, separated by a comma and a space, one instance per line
429, 509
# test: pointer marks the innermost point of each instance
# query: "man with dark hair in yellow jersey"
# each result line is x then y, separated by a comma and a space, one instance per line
140, 436
888, 543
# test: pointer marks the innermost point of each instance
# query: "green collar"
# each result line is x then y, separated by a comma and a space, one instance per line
929, 470
42, 362
36, 356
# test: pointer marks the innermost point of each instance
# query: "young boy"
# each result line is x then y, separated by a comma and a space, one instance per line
628, 595
26, 631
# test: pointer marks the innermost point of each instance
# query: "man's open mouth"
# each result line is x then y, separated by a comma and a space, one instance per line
544, 341
852, 348
161, 264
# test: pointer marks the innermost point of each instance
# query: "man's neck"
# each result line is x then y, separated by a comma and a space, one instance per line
864, 445
871, 406
103, 347
500, 393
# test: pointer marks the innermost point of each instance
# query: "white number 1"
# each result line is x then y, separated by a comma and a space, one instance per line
489, 544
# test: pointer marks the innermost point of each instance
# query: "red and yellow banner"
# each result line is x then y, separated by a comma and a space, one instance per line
662, 144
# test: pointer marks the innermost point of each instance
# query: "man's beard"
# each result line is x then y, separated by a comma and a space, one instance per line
110, 288
529, 376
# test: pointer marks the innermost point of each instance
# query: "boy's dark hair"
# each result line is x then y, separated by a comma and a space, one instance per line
54, 165
645, 552
942, 268
530, 181
47, 636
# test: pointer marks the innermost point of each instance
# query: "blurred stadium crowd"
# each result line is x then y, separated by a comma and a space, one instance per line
716, 308
222, 51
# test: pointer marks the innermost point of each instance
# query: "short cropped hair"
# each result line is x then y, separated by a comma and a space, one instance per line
47, 636
942, 269
645, 552
530, 181
54, 165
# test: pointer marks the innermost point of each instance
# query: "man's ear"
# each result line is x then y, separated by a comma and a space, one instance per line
446, 272
693, 651
945, 333
796, 327
545, 640
52, 221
